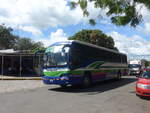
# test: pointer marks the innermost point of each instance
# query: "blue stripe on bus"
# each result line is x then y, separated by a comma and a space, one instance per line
57, 80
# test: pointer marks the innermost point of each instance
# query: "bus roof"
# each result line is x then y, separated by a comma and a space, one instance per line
61, 42
87, 44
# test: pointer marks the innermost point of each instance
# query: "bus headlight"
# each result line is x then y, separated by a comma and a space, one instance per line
137, 71
64, 76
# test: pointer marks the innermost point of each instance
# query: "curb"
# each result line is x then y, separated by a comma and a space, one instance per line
21, 78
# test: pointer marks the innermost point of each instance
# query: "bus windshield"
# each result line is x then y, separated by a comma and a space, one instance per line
134, 66
56, 56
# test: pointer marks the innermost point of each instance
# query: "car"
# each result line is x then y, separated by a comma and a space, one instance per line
143, 84
147, 68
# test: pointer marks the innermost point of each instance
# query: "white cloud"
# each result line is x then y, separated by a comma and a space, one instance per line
145, 29
134, 45
59, 35
38, 14
146, 19
31, 29
145, 13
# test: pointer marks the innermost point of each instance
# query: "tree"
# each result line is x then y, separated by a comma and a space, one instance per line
7, 39
96, 37
121, 12
28, 44
38, 46
146, 62
10, 41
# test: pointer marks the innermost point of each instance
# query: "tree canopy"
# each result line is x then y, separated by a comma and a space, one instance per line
121, 12
96, 37
10, 41
7, 39
28, 44
146, 62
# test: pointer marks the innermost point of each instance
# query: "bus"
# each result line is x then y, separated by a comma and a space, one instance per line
75, 62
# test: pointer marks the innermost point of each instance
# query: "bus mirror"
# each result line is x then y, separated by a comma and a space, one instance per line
65, 49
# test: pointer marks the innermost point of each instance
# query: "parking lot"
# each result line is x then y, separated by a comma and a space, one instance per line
104, 97
7, 86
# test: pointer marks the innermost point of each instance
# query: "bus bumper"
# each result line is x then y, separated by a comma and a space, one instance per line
62, 80
56, 80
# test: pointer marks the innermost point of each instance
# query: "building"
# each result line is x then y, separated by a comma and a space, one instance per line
15, 63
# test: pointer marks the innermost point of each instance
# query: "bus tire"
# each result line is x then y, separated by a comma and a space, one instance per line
87, 81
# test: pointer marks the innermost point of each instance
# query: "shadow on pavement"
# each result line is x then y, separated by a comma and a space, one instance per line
98, 87
145, 98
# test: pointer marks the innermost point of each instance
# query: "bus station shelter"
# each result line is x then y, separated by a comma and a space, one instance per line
14, 63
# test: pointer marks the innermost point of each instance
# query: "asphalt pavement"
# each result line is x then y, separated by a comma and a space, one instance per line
104, 97
16, 85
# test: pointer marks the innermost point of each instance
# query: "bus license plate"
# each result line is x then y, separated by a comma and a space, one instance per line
51, 80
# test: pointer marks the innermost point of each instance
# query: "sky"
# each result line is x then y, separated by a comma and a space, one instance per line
49, 21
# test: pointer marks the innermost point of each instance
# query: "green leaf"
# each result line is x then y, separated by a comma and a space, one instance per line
122, 12
85, 12
83, 4
92, 22
73, 5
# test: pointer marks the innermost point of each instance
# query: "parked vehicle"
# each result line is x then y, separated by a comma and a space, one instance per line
136, 67
76, 62
143, 84
147, 68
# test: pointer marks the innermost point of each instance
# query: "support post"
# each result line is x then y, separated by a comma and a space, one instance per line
39, 59
2, 66
20, 65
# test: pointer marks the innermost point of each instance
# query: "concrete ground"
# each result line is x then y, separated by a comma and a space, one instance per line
16, 85
2, 77
104, 97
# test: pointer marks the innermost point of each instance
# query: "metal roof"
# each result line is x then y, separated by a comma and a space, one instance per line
8, 51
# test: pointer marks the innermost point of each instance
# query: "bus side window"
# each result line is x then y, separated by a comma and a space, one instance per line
75, 59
